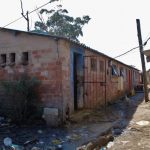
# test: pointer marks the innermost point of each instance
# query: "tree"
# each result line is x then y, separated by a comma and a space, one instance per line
59, 23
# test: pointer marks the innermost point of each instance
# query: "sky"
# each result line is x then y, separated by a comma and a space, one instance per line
112, 29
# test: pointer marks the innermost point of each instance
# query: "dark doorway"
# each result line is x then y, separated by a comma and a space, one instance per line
78, 80
75, 82
129, 80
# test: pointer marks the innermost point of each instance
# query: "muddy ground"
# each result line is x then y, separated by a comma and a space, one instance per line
119, 119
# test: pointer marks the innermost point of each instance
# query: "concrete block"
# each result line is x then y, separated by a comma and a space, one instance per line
51, 116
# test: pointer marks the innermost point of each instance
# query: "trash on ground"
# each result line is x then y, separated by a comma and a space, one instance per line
125, 142
142, 123
73, 137
40, 131
84, 147
41, 142
17, 147
59, 147
35, 148
139, 144
30, 142
110, 144
56, 142
7, 141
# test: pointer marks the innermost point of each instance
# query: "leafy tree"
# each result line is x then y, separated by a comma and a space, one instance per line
59, 23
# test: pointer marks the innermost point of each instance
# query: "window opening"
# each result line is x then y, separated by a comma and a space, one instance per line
114, 70
93, 64
12, 58
25, 58
3, 60
101, 65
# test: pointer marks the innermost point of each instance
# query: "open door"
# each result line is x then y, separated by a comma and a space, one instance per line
130, 80
78, 80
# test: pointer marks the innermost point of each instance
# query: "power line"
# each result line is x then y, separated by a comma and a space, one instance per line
57, 0
11, 22
127, 52
39, 7
146, 41
25, 15
133, 49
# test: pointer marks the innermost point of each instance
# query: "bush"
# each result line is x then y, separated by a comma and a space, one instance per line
23, 96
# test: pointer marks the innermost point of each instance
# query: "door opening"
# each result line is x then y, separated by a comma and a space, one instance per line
75, 82
78, 80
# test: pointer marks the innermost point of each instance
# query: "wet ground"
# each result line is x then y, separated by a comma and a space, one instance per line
85, 126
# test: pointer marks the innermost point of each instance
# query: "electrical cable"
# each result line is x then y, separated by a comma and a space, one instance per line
133, 49
25, 15
56, 0
127, 52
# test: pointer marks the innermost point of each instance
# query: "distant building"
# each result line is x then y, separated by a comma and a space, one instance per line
147, 54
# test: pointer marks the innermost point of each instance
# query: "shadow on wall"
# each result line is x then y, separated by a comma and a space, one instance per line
19, 99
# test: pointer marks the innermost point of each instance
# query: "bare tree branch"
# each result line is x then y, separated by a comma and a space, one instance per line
42, 19
26, 17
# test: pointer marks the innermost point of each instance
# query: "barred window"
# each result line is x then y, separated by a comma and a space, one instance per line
93, 64
122, 72
101, 65
114, 70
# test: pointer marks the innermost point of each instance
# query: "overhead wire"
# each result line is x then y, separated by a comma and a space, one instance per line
56, 0
133, 48
127, 52
25, 15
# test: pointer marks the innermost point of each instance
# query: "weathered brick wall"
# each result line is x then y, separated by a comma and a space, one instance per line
47, 62
113, 90
94, 86
64, 54
50, 62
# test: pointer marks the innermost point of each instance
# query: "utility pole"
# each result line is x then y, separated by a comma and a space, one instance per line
26, 17
142, 59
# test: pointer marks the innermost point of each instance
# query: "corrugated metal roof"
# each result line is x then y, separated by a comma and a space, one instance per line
64, 38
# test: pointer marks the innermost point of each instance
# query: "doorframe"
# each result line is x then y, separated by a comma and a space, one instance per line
75, 81
74, 51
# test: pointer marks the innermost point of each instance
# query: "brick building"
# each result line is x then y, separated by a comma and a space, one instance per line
72, 75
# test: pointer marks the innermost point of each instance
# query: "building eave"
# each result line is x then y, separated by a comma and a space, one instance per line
67, 39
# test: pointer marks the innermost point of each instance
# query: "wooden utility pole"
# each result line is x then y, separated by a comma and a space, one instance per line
142, 59
26, 17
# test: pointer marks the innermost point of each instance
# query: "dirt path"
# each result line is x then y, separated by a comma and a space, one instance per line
134, 136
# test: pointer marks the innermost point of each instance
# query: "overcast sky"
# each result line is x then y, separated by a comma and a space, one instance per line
111, 30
